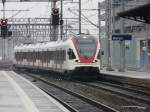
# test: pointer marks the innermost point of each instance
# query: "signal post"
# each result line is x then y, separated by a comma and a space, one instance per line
4, 30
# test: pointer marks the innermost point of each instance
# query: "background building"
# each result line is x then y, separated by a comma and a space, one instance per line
137, 51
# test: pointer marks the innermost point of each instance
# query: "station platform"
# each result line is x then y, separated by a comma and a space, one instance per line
130, 74
133, 77
19, 95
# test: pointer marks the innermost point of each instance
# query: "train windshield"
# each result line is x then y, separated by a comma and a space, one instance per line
86, 46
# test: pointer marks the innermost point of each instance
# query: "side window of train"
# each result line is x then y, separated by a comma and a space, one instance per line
71, 54
64, 54
38, 55
46, 55
99, 54
15, 55
102, 52
49, 55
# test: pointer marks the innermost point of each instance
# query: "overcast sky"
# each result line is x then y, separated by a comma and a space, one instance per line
43, 9
40, 9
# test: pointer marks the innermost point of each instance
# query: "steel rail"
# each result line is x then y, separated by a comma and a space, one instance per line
99, 105
110, 89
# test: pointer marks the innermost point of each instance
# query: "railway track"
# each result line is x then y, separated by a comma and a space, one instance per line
129, 87
132, 93
132, 86
142, 84
75, 102
114, 100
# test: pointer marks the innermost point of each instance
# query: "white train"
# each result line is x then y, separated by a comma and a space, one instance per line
80, 53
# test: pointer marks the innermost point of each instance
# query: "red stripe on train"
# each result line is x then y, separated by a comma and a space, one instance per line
86, 60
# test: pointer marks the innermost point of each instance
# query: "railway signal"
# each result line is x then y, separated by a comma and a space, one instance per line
55, 16
4, 28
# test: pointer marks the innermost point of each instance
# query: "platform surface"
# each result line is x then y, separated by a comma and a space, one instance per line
127, 73
19, 95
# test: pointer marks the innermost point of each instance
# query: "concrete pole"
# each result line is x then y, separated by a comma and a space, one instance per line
99, 19
99, 22
79, 16
66, 29
3, 40
3, 49
29, 33
147, 48
113, 15
122, 43
3, 1
61, 18
50, 30
54, 28
108, 32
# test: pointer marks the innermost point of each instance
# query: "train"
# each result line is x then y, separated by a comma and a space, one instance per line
73, 55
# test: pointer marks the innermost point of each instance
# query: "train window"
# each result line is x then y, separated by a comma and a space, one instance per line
86, 46
38, 55
61, 55
102, 52
25, 55
42, 56
64, 55
16, 55
48, 55
29, 56
57, 55
71, 54
45, 56
19, 56
51, 55
99, 54
34, 56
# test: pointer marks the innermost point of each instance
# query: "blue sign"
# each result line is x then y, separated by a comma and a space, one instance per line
121, 37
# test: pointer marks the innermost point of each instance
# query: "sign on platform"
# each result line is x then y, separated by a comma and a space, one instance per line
121, 37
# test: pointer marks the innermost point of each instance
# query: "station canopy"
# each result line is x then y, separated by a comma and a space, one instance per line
141, 14
29, 0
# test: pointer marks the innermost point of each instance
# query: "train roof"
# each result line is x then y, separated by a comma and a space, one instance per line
46, 45
38, 46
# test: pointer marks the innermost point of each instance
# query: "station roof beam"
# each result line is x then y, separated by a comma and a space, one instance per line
141, 14
31, 0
